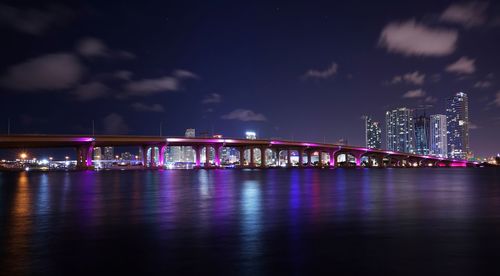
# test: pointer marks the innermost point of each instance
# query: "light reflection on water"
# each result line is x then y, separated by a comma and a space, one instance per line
250, 221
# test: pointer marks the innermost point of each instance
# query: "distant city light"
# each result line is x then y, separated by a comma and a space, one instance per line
23, 155
251, 135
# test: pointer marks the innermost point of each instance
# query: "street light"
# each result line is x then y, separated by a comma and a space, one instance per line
67, 157
23, 155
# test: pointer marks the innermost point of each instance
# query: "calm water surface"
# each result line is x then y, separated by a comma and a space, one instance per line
252, 222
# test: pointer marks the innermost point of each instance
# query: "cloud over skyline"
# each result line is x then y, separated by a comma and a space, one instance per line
244, 115
142, 107
322, 74
416, 78
463, 65
417, 93
411, 38
48, 72
469, 14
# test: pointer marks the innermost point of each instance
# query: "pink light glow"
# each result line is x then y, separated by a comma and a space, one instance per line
458, 164
83, 139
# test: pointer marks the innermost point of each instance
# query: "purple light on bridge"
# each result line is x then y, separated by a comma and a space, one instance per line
83, 139
458, 164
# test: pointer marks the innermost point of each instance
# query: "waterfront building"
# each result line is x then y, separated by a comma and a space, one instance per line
438, 145
373, 134
400, 130
187, 153
422, 133
97, 153
457, 114
108, 153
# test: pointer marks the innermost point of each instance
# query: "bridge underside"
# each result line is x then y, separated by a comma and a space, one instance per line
251, 153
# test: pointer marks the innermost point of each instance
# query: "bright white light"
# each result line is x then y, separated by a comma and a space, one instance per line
250, 135
44, 161
27, 169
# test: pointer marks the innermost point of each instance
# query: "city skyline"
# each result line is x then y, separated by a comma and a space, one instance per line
165, 77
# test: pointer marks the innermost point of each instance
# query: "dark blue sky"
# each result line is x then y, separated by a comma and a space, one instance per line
305, 70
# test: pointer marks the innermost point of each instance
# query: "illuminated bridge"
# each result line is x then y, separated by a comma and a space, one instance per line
327, 155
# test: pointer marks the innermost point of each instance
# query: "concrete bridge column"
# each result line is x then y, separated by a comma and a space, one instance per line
144, 153
152, 157
333, 159
357, 158
309, 157
301, 157
207, 156
89, 152
320, 158
197, 153
241, 150
263, 157
252, 158
288, 158
161, 159
217, 155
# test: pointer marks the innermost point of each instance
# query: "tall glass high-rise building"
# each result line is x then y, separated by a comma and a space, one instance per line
422, 135
438, 136
188, 154
400, 130
457, 114
373, 134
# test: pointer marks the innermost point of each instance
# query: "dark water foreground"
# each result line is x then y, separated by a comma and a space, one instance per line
253, 222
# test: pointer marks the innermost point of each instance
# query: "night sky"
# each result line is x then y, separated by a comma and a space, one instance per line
285, 69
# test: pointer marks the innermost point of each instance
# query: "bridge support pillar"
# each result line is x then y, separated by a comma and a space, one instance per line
263, 162
252, 157
332, 158
217, 155
288, 158
207, 156
144, 156
161, 159
197, 154
309, 157
241, 150
320, 159
84, 156
301, 157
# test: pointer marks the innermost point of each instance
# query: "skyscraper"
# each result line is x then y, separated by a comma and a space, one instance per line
373, 134
457, 114
438, 142
188, 154
108, 153
422, 135
400, 130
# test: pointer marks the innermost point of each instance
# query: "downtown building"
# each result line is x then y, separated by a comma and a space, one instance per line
422, 134
373, 134
400, 130
438, 142
457, 114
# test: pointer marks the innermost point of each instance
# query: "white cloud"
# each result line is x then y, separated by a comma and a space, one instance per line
482, 84
412, 78
463, 65
138, 106
148, 87
33, 21
322, 74
415, 39
430, 99
152, 86
91, 91
497, 99
123, 75
473, 126
115, 124
467, 14
184, 74
417, 93
212, 99
93, 47
48, 72
244, 115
